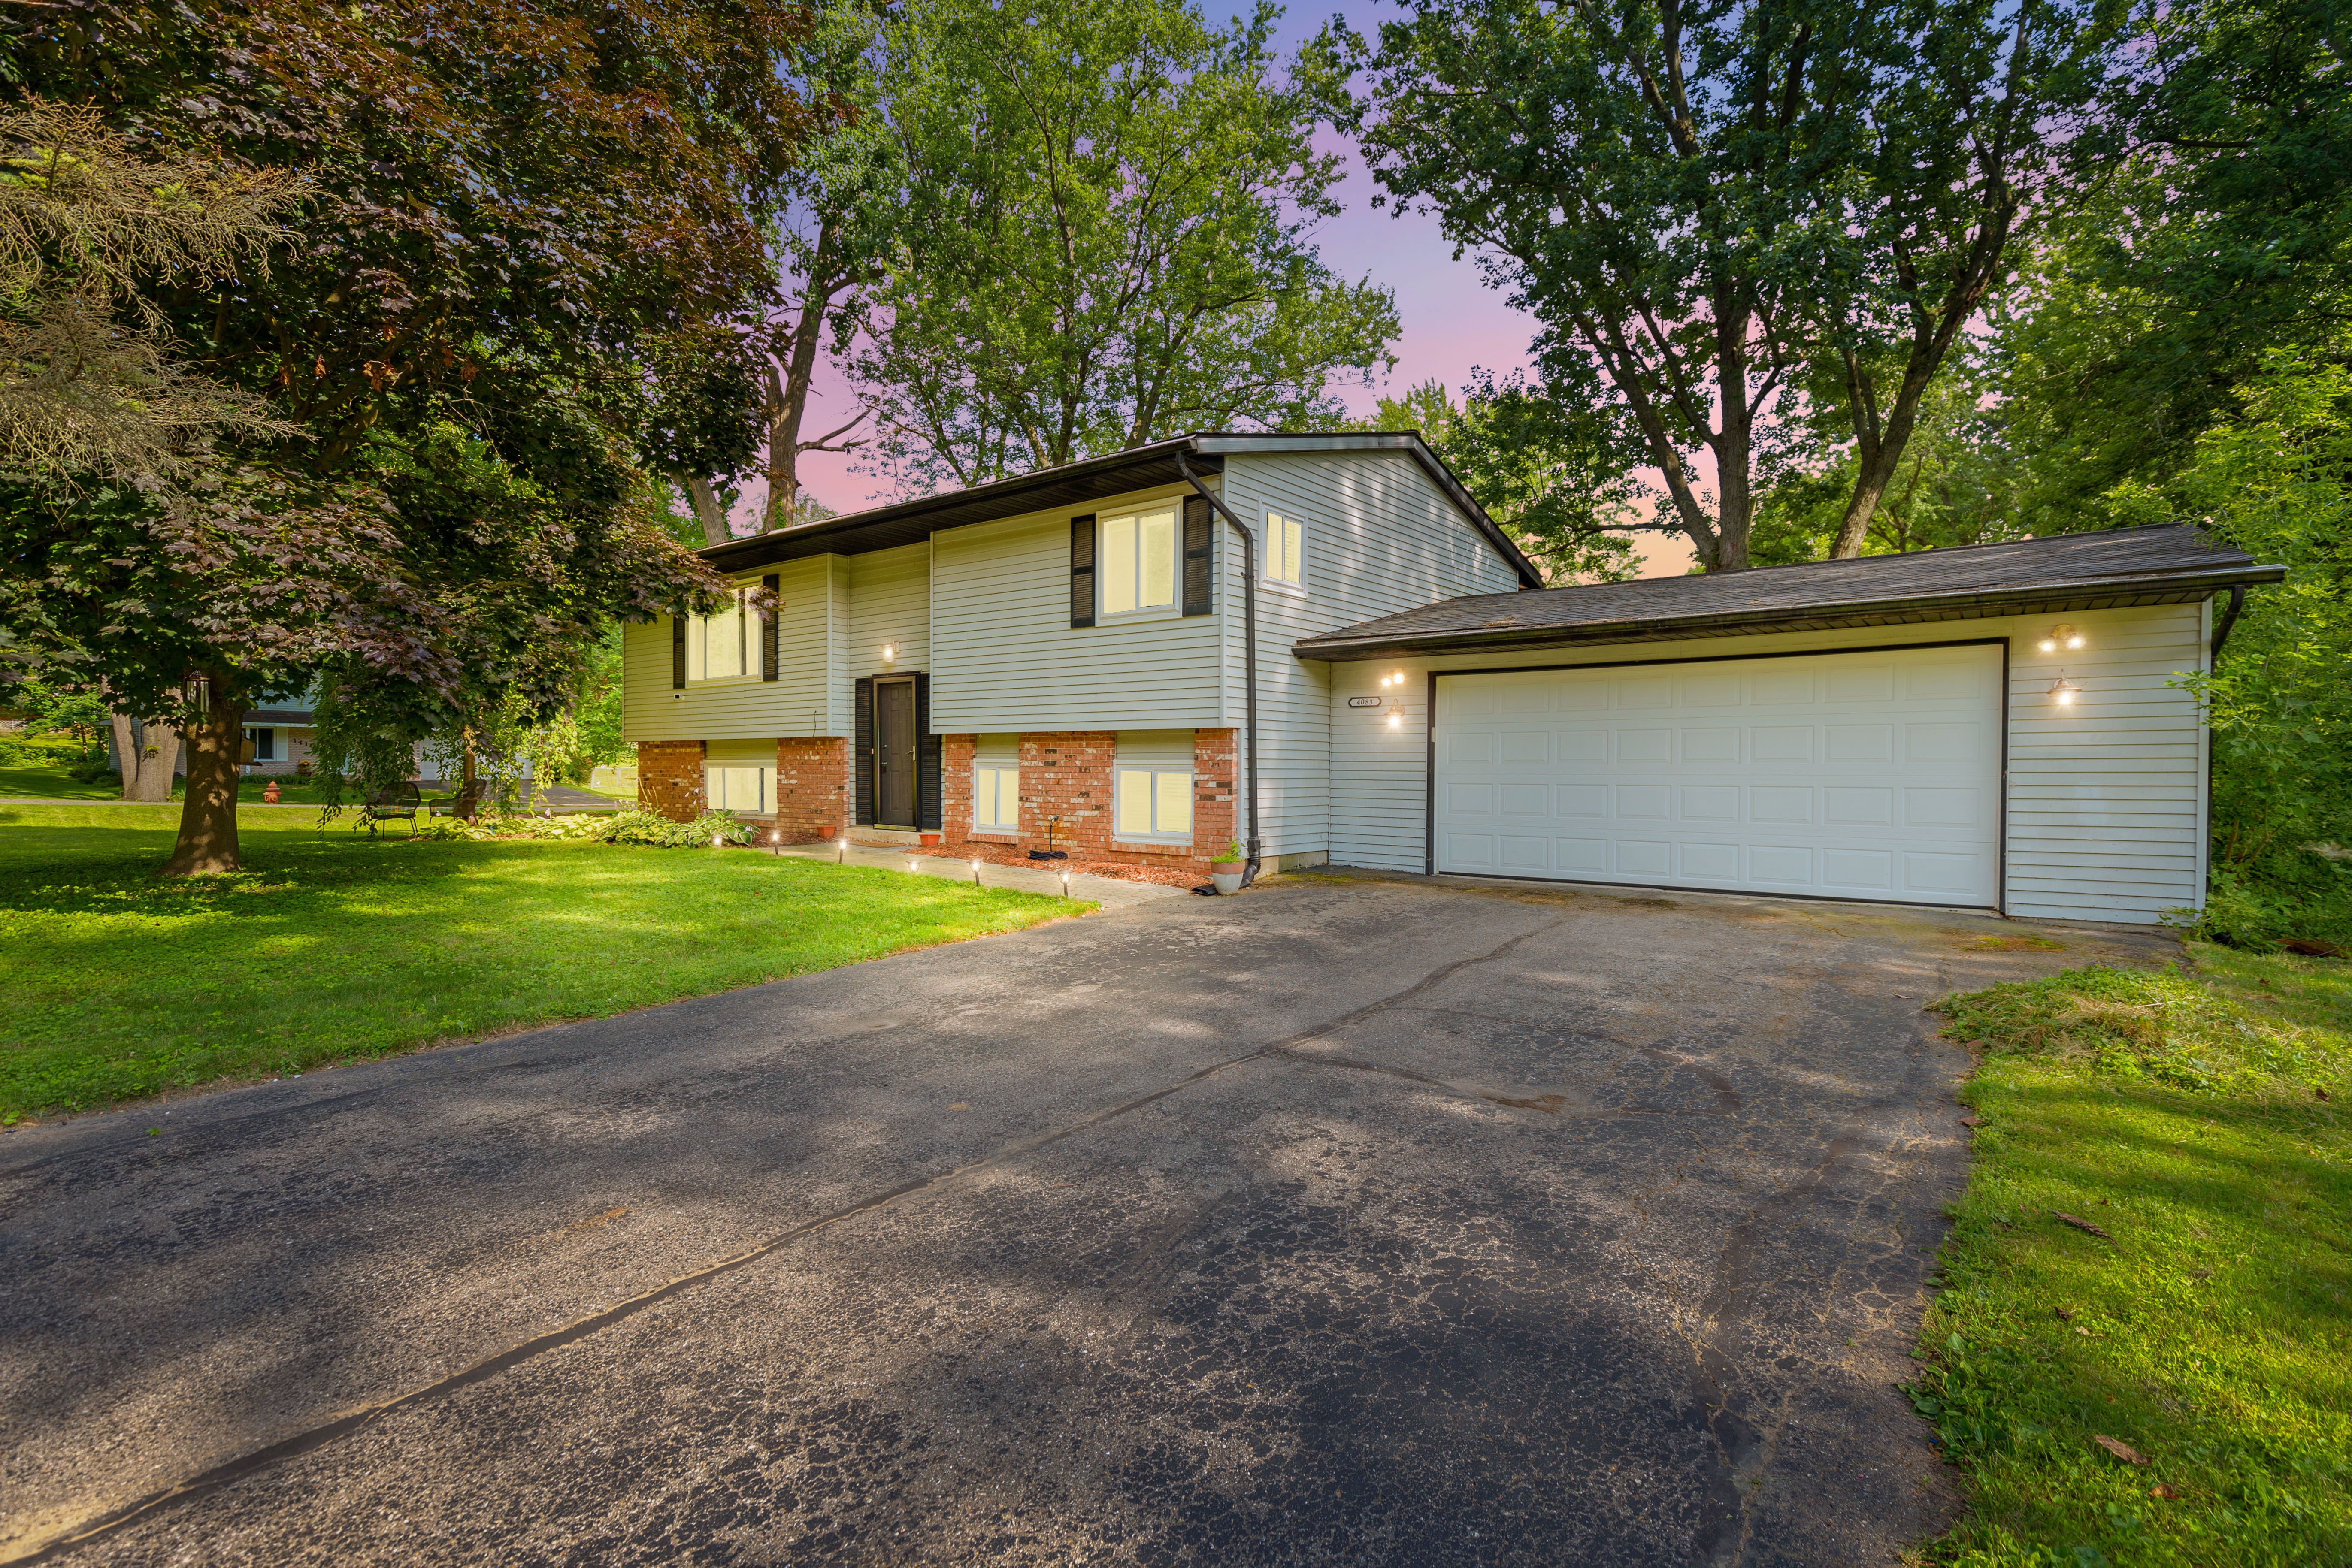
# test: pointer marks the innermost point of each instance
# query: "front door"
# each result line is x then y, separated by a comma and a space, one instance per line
895, 762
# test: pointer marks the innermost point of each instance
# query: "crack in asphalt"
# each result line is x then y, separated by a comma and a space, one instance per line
343, 1425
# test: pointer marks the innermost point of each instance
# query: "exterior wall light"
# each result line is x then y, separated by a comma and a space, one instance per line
2059, 637
1396, 721
2063, 692
889, 652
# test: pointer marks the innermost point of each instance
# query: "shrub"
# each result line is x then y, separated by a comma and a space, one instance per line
648, 828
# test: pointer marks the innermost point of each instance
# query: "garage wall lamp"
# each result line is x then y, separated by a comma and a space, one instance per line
2059, 637
2064, 692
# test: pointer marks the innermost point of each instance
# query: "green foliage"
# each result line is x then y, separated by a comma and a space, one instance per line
2207, 1329
333, 947
1107, 240
650, 828
1695, 205
1528, 457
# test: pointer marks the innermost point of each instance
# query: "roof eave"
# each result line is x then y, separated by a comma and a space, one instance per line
2170, 588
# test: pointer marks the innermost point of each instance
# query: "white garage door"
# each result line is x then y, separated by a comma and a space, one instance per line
1870, 775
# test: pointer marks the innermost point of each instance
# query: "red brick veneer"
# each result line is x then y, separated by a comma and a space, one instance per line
1067, 774
669, 777
812, 788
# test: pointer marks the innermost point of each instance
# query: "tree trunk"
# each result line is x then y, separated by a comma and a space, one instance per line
146, 756
707, 512
469, 783
208, 815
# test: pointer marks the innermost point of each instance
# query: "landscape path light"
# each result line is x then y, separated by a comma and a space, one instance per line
976, 871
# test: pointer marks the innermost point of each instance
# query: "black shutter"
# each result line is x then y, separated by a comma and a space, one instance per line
676, 652
1082, 571
1199, 534
865, 746
773, 585
927, 758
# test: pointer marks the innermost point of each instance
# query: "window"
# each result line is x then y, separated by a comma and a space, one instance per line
723, 646
728, 789
995, 798
1285, 549
265, 744
1153, 803
1139, 562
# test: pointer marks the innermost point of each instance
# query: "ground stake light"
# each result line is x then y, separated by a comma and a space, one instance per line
843, 844
976, 874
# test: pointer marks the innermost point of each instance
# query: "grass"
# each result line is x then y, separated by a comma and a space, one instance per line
2197, 1118
331, 948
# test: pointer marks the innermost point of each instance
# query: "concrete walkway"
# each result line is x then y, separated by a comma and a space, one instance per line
1036, 877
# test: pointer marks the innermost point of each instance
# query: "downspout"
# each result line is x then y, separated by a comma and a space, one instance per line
1249, 653
2229, 618
2212, 662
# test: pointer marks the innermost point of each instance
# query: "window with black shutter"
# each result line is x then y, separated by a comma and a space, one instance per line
678, 653
928, 759
773, 585
1082, 571
1200, 537
865, 749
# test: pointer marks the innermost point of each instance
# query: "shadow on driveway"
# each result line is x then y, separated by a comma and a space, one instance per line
1363, 1221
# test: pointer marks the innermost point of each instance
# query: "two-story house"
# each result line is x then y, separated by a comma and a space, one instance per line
1065, 660
1061, 656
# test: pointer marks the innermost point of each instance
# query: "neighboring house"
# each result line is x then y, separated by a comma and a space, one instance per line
1063, 656
279, 734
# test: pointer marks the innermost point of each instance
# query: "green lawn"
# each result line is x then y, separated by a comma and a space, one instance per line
56, 784
2199, 1120
332, 947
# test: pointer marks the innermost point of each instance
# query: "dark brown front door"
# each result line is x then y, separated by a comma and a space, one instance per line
895, 762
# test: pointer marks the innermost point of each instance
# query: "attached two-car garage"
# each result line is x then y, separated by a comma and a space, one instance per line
1870, 774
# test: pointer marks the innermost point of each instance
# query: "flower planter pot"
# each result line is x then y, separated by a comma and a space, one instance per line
930, 840
1227, 876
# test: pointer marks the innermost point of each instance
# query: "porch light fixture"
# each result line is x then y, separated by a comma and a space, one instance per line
2059, 637
2062, 691
1396, 721
889, 652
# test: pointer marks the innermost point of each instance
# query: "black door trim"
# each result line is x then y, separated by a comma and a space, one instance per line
2000, 841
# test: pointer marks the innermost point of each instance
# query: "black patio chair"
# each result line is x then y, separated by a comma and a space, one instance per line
390, 804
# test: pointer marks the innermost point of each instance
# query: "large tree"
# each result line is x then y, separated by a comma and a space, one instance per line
1699, 202
518, 211
1108, 240
1536, 465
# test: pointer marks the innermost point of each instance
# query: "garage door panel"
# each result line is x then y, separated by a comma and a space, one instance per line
1710, 746
1787, 866
1866, 775
1788, 804
1711, 802
1644, 857
1858, 871
1848, 805
1858, 742
1646, 802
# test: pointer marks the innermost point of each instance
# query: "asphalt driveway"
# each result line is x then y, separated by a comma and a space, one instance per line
1348, 1221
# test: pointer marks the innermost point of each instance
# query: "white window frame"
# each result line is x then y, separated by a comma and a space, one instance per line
1159, 795
1107, 589
697, 643
1285, 540
718, 787
988, 783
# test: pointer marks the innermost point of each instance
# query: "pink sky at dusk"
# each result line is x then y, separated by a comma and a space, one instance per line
1452, 321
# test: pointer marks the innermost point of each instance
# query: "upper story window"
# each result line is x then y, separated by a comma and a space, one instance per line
724, 644
1285, 549
1139, 562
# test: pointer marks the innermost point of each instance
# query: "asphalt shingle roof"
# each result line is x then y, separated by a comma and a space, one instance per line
2165, 564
